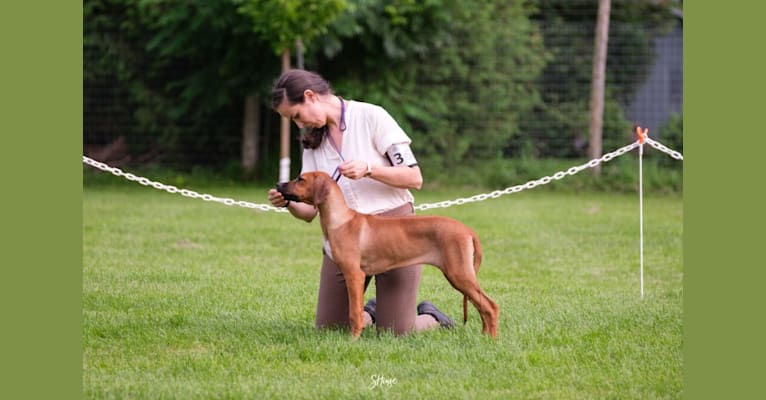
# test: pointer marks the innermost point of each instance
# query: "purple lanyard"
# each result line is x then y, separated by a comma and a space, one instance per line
336, 175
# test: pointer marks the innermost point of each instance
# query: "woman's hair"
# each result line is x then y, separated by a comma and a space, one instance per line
290, 86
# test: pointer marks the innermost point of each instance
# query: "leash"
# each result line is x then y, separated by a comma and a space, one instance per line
336, 174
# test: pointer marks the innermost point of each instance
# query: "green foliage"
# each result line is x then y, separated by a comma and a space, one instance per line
282, 22
470, 81
377, 32
671, 134
558, 125
661, 174
181, 70
492, 65
456, 77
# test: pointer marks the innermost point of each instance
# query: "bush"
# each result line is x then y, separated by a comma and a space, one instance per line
618, 175
672, 132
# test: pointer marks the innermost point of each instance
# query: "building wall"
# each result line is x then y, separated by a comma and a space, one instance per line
661, 95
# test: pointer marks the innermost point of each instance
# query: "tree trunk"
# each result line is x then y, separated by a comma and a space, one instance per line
597, 84
251, 134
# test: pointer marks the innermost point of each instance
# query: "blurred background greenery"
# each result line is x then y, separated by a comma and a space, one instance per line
493, 93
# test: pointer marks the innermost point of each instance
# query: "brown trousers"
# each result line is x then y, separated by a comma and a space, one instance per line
396, 295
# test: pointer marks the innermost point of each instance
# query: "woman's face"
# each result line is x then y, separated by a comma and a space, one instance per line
309, 114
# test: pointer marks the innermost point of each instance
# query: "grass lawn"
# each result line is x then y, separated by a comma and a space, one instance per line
184, 299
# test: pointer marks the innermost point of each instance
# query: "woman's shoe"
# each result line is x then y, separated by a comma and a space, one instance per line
370, 308
427, 307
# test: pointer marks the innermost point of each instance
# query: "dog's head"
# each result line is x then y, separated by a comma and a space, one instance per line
310, 188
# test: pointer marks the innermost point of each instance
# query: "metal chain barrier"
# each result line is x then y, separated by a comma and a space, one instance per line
183, 192
661, 147
534, 183
427, 206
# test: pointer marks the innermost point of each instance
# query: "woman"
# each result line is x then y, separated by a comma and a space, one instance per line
367, 152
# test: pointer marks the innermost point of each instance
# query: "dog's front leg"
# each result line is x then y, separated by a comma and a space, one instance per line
355, 285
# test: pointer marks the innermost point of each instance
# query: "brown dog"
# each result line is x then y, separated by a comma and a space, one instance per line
368, 245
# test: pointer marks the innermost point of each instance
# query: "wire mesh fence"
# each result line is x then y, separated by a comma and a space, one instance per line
644, 87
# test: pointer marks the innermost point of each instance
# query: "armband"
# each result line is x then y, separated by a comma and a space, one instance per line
400, 154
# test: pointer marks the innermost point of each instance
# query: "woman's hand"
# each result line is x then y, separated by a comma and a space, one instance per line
276, 199
302, 211
353, 169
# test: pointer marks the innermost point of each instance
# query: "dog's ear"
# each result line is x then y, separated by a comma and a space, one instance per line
321, 188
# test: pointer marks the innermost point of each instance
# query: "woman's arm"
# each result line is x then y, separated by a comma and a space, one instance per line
400, 177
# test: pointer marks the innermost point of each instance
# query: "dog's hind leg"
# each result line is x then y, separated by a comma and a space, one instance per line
466, 283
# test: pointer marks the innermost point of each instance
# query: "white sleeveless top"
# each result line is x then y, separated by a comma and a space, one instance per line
370, 131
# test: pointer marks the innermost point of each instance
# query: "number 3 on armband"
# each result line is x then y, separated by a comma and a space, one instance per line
398, 159
401, 154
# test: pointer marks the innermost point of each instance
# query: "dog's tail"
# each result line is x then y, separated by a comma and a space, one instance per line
465, 309
476, 264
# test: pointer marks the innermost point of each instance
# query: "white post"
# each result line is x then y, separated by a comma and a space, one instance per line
284, 169
284, 132
641, 204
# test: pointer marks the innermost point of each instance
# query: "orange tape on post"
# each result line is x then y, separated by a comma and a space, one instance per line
642, 135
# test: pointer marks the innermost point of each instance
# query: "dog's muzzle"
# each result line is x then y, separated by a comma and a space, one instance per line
281, 188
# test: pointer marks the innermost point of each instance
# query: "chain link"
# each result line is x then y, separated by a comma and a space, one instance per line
531, 184
183, 192
421, 207
661, 147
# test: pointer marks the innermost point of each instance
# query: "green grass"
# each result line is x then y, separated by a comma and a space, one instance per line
185, 299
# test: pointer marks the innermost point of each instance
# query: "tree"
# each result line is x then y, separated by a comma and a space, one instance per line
558, 125
455, 76
597, 81
181, 68
283, 23
186, 70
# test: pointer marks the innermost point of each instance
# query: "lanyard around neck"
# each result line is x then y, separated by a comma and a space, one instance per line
342, 125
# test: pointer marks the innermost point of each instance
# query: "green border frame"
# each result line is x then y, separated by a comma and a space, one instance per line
41, 281
41, 125
723, 272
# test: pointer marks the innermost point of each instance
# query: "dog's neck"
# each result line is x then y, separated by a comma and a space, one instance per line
334, 210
